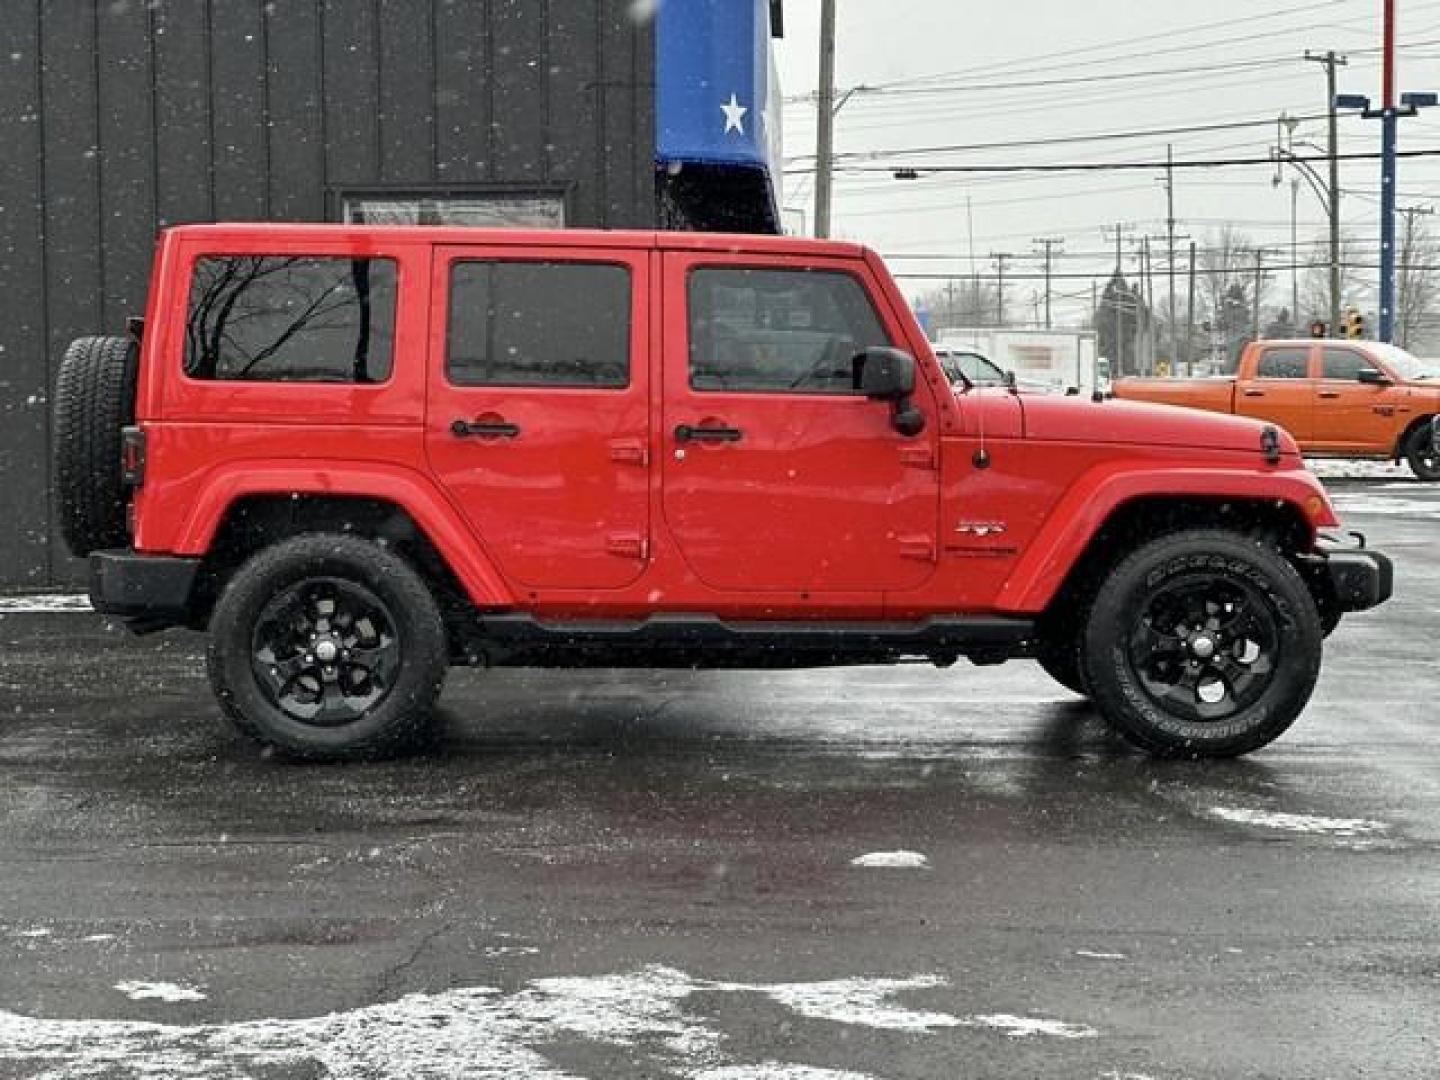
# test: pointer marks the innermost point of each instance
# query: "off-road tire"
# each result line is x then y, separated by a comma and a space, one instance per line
1421, 454
401, 720
1276, 592
94, 399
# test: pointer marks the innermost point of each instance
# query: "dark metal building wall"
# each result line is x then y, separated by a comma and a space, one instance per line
121, 116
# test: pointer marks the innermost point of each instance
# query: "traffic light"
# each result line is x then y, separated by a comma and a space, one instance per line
1318, 329
1354, 324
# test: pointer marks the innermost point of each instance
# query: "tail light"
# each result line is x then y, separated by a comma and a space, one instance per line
132, 456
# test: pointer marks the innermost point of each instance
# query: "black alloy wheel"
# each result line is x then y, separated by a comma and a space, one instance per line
1422, 454
329, 646
325, 651
1205, 643
1205, 646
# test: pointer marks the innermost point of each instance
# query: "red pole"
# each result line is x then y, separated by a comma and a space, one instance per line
1389, 76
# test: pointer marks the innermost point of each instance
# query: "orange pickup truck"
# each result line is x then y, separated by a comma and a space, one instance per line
1355, 399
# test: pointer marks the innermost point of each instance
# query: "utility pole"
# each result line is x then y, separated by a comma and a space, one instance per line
1331, 59
1000, 258
1117, 361
825, 120
1049, 243
1147, 294
1170, 233
1255, 300
1190, 314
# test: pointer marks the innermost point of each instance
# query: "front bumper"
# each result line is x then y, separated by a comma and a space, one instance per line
1358, 578
148, 592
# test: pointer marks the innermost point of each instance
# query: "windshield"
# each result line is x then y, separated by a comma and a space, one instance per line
1405, 365
969, 367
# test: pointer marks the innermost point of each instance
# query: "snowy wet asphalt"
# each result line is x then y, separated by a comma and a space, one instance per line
889, 873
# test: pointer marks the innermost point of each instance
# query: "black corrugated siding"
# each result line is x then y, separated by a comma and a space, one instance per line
121, 116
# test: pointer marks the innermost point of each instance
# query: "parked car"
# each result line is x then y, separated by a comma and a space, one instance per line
1354, 399
357, 455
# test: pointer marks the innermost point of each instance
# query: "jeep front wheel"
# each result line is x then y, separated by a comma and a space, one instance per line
328, 647
1203, 644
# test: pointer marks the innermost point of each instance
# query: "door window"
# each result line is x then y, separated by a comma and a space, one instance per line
1284, 364
1344, 364
778, 331
539, 324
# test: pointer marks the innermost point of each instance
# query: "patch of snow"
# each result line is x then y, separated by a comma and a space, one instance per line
38, 932
1354, 469
862, 1003
892, 860
1100, 955
1299, 823
1383, 506
98, 937
775, 1070
34, 605
159, 991
1020, 1027
496, 1035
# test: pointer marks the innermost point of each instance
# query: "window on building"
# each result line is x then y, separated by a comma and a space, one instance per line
287, 318
1345, 364
485, 210
778, 330
1284, 364
539, 324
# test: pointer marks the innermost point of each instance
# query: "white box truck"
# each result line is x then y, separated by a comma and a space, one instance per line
1057, 361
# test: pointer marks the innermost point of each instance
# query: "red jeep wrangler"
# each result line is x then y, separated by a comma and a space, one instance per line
358, 455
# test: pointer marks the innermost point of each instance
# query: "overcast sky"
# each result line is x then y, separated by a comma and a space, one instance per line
1010, 73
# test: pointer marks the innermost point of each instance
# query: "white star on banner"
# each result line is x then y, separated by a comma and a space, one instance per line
734, 115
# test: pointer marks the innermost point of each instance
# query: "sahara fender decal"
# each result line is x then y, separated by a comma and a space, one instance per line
1097, 494
411, 491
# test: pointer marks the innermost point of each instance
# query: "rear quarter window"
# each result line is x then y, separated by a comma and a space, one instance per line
291, 318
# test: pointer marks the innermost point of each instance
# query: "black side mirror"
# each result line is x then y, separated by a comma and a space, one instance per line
886, 374
1372, 377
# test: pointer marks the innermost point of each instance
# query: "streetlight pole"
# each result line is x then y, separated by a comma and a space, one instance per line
1389, 116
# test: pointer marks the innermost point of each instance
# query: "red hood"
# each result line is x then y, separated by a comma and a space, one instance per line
1073, 419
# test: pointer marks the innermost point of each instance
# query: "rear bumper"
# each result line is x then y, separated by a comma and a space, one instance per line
1359, 578
149, 592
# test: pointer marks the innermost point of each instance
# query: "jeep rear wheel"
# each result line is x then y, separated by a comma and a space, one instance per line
1203, 644
94, 399
328, 647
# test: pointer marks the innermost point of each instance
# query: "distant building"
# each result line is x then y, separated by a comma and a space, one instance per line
119, 117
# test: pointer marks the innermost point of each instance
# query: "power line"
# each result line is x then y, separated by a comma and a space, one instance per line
1106, 166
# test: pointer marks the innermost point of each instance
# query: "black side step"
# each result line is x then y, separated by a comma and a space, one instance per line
708, 641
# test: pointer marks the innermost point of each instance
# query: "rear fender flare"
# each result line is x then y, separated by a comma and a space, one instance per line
411, 491
1096, 496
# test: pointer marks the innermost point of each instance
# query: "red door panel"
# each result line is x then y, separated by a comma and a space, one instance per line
789, 490
554, 479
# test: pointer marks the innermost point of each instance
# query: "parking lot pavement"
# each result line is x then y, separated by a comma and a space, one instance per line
737, 876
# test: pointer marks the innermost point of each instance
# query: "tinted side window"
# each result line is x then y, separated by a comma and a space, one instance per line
778, 330
273, 318
1344, 364
539, 324
1284, 364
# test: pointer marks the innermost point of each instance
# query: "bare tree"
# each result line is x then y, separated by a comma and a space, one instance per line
960, 302
1228, 285
1315, 282
1418, 283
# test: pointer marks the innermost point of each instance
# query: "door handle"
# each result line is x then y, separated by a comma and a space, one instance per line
1254, 393
1329, 393
688, 433
486, 429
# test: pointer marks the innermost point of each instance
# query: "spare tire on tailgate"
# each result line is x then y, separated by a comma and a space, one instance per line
94, 399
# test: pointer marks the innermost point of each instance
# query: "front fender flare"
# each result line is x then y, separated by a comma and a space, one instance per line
407, 489
1099, 493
